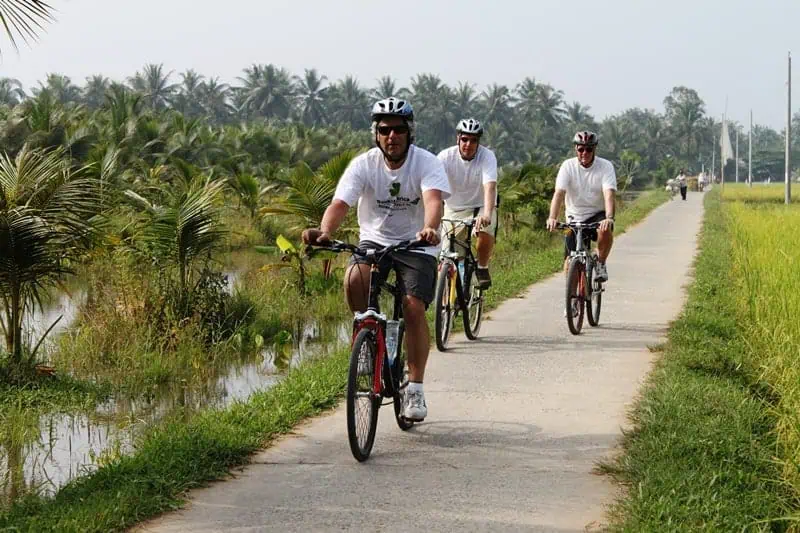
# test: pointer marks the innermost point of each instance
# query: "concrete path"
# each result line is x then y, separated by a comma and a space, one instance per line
516, 421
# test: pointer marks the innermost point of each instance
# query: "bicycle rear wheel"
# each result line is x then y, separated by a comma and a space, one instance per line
575, 294
594, 297
400, 381
473, 312
444, 311
362, 402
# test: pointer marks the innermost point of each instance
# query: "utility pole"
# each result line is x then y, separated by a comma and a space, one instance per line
788, 191
750, 153
737, 155
722, 154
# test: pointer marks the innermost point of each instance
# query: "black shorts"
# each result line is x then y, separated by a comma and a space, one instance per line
570, 243
416, 271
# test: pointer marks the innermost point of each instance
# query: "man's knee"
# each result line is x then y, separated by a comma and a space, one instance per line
413, 309
356, 286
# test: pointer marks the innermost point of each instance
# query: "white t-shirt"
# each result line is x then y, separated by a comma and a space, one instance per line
585, 186
390, 205
467, 178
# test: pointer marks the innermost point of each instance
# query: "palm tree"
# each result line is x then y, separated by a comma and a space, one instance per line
268, 91
578, 117
94, 92
24, 18
551, 104
349, 103
214, 97
497, 101
154, 85
387, 86
684, 110
187, 99
311, 95
11, 92
45, 223
465, 100
61, 88
528, 98
308, 194
186, 229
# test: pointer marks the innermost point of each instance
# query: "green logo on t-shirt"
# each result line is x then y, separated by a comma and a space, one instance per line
395, 190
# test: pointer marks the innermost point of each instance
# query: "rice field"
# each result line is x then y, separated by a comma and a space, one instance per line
766, 273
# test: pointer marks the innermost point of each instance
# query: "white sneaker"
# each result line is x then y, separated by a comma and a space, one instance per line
600, 272
415, 408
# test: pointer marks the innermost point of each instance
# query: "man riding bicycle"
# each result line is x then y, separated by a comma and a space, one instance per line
472, 173
399, 189
589, 184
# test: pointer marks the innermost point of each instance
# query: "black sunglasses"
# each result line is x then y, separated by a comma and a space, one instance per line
583, 148
400, 129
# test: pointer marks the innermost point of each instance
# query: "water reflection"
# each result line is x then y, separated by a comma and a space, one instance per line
61, 447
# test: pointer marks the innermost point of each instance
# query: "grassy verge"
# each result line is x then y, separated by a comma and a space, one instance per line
178, 455
700, 454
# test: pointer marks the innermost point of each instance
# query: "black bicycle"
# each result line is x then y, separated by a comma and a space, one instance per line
457, 286
582, 287
374, 372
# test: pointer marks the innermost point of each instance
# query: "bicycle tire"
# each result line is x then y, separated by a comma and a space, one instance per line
444, 313
400, 381
473, 305
594, 298
574, 280
362, 438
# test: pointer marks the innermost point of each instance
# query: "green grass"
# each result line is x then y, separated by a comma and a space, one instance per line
700, 455
177, 456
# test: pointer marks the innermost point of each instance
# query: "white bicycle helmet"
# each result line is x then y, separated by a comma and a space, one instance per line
392, 107
470, 126
585, 137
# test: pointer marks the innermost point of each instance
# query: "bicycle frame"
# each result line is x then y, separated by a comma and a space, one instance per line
372, 318
456, 289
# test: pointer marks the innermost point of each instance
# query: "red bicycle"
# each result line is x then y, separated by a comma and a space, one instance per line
375, 372
583, 289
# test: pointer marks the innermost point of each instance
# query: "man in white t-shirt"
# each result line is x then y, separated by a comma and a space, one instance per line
472, 172
681, 179
399, 189
589, 185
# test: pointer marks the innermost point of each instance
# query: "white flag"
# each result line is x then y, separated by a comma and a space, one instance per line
725, 143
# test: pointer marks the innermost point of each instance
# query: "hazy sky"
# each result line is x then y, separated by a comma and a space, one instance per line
609, 54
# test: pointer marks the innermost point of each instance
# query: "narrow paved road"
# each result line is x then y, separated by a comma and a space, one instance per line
516, 421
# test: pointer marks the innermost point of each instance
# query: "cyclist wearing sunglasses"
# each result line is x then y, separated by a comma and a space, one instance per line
472, 171
399, 189
589, 184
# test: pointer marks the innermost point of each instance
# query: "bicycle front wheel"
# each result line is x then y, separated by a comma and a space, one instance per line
473, 312
575, 293
594, 297
445, 311
362, 401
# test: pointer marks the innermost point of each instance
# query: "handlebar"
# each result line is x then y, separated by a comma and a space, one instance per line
577, 225
341, 246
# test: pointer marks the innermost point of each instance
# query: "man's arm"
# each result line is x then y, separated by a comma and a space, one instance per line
608, 196
489, 198
331, 220
432, 200
334, 216
555, 208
